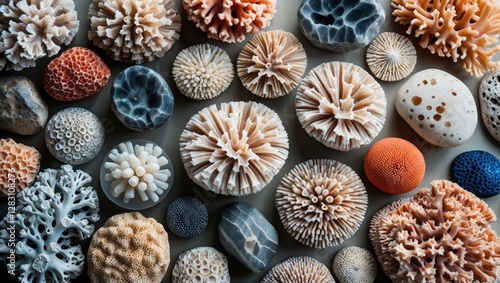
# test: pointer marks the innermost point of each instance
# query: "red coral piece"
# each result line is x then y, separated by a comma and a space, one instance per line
76, 74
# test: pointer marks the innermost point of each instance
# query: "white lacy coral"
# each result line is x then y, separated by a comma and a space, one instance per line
202, 264
234, 150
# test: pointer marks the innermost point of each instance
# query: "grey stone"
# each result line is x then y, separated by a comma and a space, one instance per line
22, 110
247, 235
489, 100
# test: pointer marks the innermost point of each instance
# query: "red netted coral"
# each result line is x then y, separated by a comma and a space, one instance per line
460, 29
230, 20
442, 234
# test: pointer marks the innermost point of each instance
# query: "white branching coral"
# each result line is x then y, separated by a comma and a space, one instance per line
134, 31
299, 269
234, 150
32, 29
341, 105
202, 71
272, 63
465, 30
230, 20
49, 215
441, 234
203, 264
321, 202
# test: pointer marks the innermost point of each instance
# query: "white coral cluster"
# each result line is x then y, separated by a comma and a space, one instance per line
299, 269
203, 264
32, 29
49, 215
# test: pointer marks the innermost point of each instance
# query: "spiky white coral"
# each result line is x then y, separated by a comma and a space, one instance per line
49, 215
137, 168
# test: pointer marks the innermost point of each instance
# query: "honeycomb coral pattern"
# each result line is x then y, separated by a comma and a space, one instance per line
299, 269
203, 264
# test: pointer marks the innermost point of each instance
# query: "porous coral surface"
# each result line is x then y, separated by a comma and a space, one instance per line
49, 216
355, 265
187, 217
299, 269
202, 264
441, 234
461, 29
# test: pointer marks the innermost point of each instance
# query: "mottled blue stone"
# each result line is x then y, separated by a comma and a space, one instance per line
340, 25
141, 98
187, 217
478, 172
247, 235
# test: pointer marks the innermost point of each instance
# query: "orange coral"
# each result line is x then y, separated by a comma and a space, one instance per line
394, 165
460, 29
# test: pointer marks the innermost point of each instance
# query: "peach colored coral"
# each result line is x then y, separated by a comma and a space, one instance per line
464, 30
19, 165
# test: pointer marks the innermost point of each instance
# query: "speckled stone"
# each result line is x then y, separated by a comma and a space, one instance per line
478, 172
22, 110
489, 100
340, 25
141, 98
187, 217
247, 235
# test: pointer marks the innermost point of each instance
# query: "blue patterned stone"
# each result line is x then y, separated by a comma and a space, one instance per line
141, 98
187, 217
247, 235
478, 172
340, 25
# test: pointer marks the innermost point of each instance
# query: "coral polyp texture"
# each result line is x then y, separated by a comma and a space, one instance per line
230, 20
134, 31
441, 234
203, 264
321, 202
341, 105
299, 269
49, 217
234, 150
202, 71
355, 265
272, 63
463, 30
129, 248
33, 29
187, 217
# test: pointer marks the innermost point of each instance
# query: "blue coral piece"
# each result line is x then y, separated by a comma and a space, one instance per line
141, 98
187, 217
478, 172
340, 25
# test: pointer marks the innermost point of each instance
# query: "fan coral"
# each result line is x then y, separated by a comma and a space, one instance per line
32, 29
202, 71
441, 234
300, 269
236, 150
391, 56
203, 264
230, 20
341, 105
129, 248
459, 29
48, 216
19, 165
187, 217
321, 202
272, 63
134, 31
355, 265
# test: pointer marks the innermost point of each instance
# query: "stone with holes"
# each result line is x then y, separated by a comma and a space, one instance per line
489, 99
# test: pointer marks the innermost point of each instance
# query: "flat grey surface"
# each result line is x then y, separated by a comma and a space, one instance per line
302, 147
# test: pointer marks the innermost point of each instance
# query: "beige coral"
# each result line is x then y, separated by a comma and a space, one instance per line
341, 105
129, 248
19, 165
230, 20
465, 30
321, 202
202, 264
134, 31
299, 269
441, 234
234, 150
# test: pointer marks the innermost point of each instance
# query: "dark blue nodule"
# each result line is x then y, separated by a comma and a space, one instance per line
187, 217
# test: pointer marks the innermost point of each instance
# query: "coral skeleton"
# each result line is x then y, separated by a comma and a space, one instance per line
202, 264
355, 265
299, 269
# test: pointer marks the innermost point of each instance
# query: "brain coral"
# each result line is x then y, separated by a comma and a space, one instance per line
355, 265
299, 269
230, 20
441, 234
203, 264
129, 248
459, 29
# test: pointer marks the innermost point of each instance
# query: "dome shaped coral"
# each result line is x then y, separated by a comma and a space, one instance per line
299, 269
203, 264
465, 30
355, 265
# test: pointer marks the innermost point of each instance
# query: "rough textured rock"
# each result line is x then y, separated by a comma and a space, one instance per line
22, 110
247, 235
187, 217
340, 26
141, 98
489, 100
438, 106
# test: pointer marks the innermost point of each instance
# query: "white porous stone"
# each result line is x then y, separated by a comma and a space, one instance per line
489, 99
438, 106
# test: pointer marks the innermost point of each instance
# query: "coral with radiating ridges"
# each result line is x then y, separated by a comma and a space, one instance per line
203, 264
56, 210
355, 265
187, 217
299, 269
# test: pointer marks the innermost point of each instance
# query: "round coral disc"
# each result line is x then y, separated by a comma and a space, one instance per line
394, 165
